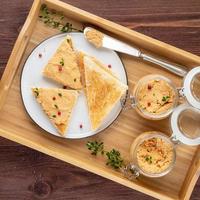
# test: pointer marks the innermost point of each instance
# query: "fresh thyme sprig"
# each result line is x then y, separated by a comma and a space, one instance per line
95, 147
55, 20
114, 159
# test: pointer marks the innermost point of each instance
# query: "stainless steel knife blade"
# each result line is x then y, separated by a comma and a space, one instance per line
114, 44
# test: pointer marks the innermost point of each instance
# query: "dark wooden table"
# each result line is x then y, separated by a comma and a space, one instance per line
27, 174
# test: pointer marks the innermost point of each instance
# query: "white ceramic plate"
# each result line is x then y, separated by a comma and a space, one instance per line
32, 77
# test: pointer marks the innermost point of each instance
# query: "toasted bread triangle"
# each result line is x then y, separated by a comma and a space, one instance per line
63, 67
57, 104
80, 57
103, 91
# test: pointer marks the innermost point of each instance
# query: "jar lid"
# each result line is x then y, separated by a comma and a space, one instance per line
191, 87
185, 124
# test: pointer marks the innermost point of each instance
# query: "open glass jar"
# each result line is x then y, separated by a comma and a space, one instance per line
153, 154
155, 97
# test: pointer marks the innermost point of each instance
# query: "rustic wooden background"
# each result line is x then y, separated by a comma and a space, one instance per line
27, 174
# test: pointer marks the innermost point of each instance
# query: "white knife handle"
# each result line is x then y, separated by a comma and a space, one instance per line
174, 68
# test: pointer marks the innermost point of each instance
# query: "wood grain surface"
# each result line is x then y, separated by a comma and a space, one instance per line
27, 174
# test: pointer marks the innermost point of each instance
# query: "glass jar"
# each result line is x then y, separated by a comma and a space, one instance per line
190, 91
185, 126
155, 99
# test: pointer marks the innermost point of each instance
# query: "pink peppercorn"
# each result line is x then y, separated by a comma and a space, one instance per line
149, 87
59, 68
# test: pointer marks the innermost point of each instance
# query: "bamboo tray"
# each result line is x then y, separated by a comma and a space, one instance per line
17, 126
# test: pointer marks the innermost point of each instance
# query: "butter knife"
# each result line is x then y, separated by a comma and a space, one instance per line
114, 44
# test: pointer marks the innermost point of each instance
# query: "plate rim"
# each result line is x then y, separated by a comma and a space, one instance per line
45, 131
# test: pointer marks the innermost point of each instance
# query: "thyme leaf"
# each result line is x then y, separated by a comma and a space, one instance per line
149, 159
165, 98
62, 62
36, 91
